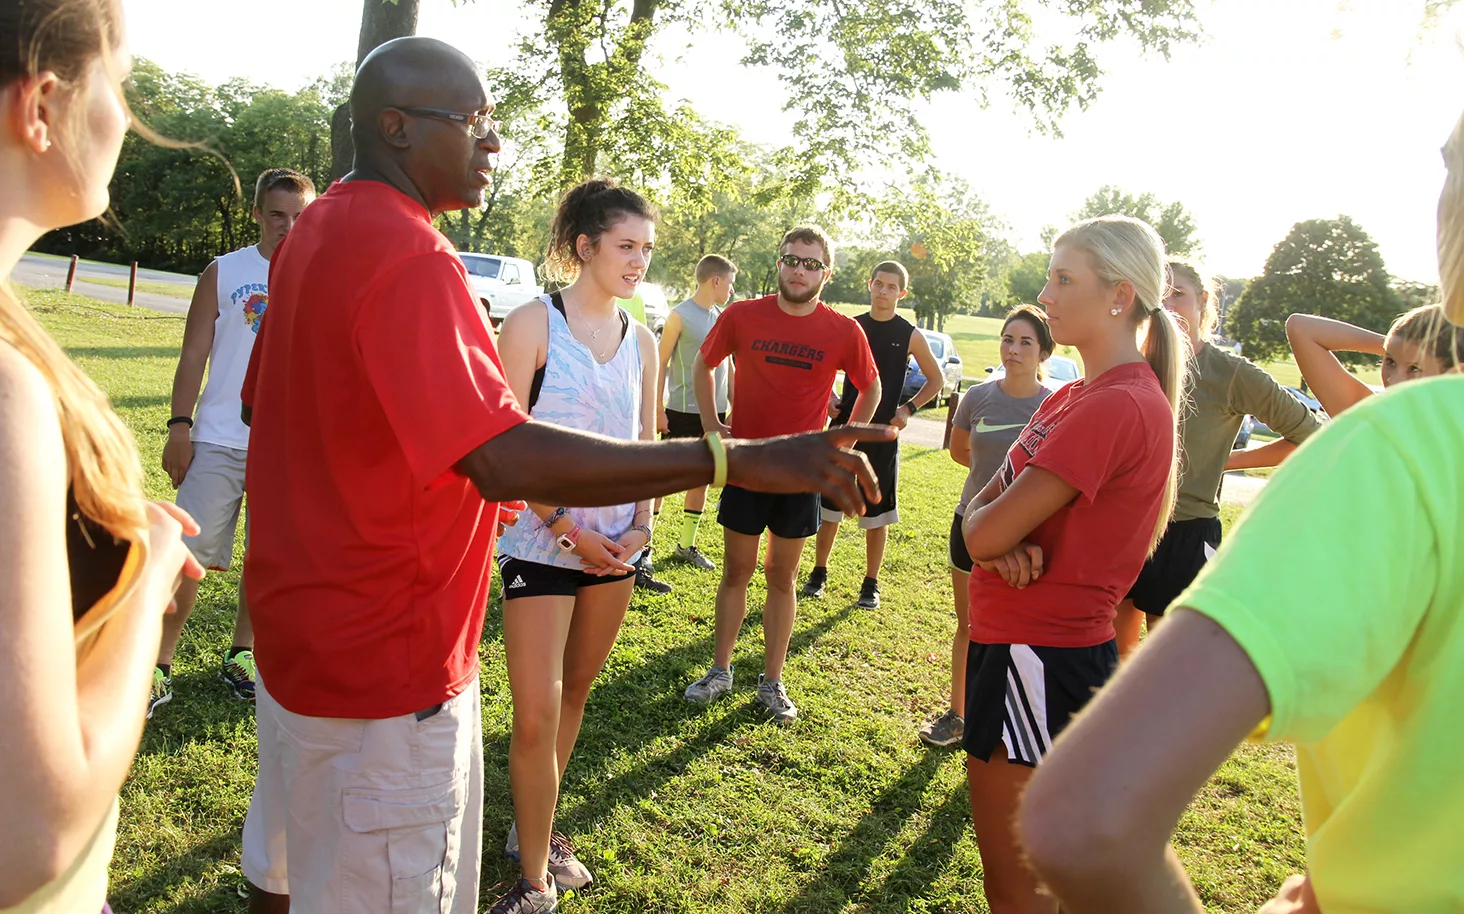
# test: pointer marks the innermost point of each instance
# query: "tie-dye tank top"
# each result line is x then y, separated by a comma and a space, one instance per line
580, 393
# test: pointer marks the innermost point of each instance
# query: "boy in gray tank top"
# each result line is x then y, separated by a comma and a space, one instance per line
681, 340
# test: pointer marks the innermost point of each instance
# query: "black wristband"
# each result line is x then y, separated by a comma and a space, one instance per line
913, 408
186, 420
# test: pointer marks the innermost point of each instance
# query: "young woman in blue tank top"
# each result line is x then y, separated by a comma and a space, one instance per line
576, 360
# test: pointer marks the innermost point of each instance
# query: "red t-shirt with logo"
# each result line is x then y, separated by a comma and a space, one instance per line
1112, 439
373, 375
786, 364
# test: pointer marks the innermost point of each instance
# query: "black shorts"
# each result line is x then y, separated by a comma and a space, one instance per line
1186, 547
884, 458
686, 425
1022, 696
534, 579
960, 558
790, 517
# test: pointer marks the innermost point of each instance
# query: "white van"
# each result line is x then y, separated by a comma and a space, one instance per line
502, 283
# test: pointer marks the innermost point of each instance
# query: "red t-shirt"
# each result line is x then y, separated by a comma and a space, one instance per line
785, 364
1112, 439
373, 375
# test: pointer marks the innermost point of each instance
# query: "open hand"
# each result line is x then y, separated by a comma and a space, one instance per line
1020, 567
819, 462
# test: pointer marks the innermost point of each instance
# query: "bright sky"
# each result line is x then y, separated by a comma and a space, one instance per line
1290, 110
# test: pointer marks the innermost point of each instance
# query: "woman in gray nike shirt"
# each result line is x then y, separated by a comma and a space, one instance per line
988, 420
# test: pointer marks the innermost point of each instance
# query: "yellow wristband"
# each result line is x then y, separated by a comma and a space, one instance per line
719, 458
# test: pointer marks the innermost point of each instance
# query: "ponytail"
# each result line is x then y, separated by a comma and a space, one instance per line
1168, 351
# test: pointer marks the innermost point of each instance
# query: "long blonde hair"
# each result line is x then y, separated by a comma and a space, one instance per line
1125, 249
1451, 227
103, 467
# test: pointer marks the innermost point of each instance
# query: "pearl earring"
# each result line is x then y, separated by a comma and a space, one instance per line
1116, 312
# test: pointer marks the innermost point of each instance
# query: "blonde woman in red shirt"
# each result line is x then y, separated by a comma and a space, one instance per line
1059, 535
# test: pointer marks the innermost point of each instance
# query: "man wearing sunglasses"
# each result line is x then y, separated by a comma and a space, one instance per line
788, 348
383, 436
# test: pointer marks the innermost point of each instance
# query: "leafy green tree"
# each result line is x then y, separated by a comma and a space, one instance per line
1171, 220
855, 70
1026, 277
952, 240
1323, 266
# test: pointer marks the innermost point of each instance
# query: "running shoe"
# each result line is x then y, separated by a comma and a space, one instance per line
239, 672
645, 577
772, 696
813, 588
162, 692
945, 730
524, 898
693, 557
869, 594
564, 866
716, 683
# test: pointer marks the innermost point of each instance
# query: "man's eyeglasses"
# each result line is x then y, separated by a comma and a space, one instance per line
479, 125
812, 264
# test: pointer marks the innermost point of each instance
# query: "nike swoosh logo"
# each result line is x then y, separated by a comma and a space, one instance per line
982, 427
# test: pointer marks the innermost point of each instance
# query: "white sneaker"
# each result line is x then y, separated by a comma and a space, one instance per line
772, 696
716, 683
564, 866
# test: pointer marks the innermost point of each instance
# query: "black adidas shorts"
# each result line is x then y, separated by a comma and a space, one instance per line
884, 458
1186, 547
791, 517
1022, 696
686, 425
533, 579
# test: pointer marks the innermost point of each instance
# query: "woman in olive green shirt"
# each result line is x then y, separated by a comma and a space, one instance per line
1224, 390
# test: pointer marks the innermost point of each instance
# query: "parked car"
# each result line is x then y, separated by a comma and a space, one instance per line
944, 350
502, 283
648, 305
1059, 370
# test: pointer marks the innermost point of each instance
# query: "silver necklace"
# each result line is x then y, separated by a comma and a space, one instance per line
595, 333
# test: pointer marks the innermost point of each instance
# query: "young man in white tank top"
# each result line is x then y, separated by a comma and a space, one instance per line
207, 441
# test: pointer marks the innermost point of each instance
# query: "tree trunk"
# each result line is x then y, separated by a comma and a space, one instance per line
381, 21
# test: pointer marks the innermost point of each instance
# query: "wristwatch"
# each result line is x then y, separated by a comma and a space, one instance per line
567, 541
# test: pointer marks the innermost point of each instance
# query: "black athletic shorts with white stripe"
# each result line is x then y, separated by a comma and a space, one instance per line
1022, 697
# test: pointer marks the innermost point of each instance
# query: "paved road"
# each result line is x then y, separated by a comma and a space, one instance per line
927, 432
50, 273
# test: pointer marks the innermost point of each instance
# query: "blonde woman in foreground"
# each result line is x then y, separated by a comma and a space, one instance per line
89, 567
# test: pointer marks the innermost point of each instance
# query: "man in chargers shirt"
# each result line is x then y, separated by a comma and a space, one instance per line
788, 348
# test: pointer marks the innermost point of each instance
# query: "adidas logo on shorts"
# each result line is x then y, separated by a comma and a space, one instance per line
518, 581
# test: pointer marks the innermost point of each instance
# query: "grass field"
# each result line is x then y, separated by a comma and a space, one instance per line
674, 807
143, 285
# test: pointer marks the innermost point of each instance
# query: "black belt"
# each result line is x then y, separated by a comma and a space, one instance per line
428, 712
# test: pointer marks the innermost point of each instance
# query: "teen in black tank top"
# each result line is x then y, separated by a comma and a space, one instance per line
889, 342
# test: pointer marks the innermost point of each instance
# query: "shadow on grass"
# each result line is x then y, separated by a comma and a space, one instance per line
123, 352
654, 691
141, 402
197, 863
839, 878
